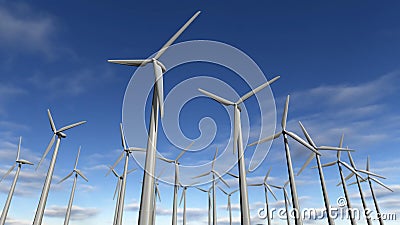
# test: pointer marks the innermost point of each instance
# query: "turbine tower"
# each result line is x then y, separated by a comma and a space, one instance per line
286, 198
298, 220
20, 162
126, 151
320, 171
339, 164
238, 143
71, 198
213, 186
176, 182
266, 189
229, 205
46, 187
209, 202
147, 197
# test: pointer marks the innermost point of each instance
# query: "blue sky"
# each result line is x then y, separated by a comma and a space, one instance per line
339, 61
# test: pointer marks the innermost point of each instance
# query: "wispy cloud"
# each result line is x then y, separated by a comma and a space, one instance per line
77, 212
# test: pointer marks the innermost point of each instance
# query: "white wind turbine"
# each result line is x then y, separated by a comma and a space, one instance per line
266, 189
285, 133
156, 193
238, 143
286, 198
209, 202
213, 186
320, 171
71, 198
126, 151
369, 179
147, 197
118, 191
229, 205
46, 187
341, 163
183, 198
20, 162
176, 182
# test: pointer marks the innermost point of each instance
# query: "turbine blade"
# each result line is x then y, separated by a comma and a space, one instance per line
328, 164
71, 126
351, 169
266, 175
349, 176
187, 148
330, 148
176, 35
121, 129
215, 157
308, 137
270, 190
131, 170
19, 148
77, 157
47, 150
136, 149
82, 175
255, 185
165, 159
8, 172
222, 190
23, 161
275, 186
371, 173
233, 175
259, 88
301, 141
53, 127
66, 177
200, 189
286, 183
130, 62
233, 192
158, 192
275, 136
202, 175
222, 179
285, 112
159, 83
367, 167
114, 172
216, 97
182, 196
380, 183
306, 163
287, 196
116, 162
341, 141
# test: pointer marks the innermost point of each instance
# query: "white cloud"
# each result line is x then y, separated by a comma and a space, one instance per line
77, 212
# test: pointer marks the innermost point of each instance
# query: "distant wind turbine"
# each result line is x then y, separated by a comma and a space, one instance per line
214, 174
209, 202
339, 164
46, 187
286, 198
320, 171
238, 144
147, 198
298, 220
71, 198
183, 198
266, 189
369, 179
20, 162
118, 191
176, 182
126, 151
229, 205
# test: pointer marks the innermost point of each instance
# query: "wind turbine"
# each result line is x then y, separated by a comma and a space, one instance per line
156, 193
320, 171
147, 197
183, 198
266, 189
369, 178
209, 202
214, 173
229, 205
46, 187
176, 182
238, 143
71, 198
126, 151
118, 190
286, 198
285, 133
20, 162
339, 164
